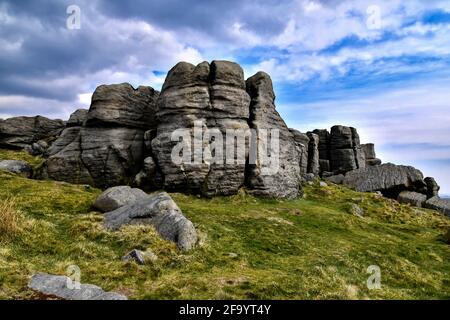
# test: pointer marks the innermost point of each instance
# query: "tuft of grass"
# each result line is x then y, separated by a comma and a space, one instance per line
11, 220
249, 248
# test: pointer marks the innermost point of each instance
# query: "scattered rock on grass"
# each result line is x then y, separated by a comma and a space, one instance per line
57, 286
438, 204
323, 184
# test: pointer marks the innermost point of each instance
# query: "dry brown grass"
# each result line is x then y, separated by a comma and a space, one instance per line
10, 220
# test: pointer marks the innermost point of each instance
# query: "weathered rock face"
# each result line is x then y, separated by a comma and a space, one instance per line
160, 211
370, 156
340, 150
284, 183
108, 149
116, 197
22, 132
195, 98
313, 154
388, 178
58, 286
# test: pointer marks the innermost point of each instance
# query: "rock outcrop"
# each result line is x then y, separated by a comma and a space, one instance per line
63, 287
108, 148
388, 178
22, 132
160, 211
370, 156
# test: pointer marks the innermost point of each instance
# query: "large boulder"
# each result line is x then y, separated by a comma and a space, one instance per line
276, 172
193, 100
62, 287
413, 198
108, 148
18, 167
438, 204
313, 154
116, 197
160, 211
345, 150
388, 178
22, 132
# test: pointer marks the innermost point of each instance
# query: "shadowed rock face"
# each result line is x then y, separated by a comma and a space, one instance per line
108, 149
22, 132
285, 182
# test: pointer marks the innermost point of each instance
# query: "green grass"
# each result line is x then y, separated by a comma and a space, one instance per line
250, 248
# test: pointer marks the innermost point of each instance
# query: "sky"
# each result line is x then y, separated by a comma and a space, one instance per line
380, 66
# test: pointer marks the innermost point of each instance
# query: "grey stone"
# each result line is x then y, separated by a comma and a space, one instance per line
324, 142
388, 178
20, 168
77, 118
337, 179
313, 154
212, 96
140, 257
356, 210
373, 162
370, 156
413, 198
160, 211
302, 143
56, 286
323, 184
432, 187
438, 204
150, 177
116, 197
20, 132
108, 149
324, 165
285, 181
124, 106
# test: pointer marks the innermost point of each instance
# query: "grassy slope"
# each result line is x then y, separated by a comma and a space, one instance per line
310, 248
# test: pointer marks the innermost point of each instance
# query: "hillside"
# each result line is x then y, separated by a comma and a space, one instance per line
250, 248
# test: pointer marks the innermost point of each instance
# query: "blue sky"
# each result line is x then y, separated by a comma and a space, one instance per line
381, 66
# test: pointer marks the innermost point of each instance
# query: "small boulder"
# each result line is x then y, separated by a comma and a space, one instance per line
413, 198
116, 197
140, 257
323, 184
57, 286
20, 168
160, 211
